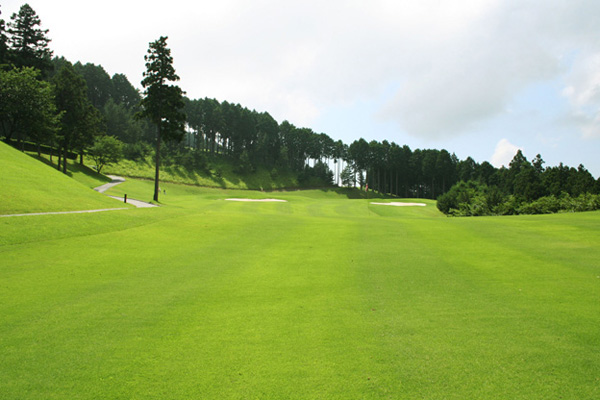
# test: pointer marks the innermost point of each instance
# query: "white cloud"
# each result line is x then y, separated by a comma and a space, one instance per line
504, 153
457, 63
583, 93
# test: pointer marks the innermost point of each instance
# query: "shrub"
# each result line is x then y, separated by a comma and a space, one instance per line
543, 205
136, 151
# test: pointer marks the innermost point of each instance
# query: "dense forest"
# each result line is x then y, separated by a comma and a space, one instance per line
49, 104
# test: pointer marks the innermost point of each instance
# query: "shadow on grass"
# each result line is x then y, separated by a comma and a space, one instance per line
184, 174
355, 193
74, 167
218, 180
87, 171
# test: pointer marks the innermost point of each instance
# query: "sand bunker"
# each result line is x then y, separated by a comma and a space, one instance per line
398, 204
258, 200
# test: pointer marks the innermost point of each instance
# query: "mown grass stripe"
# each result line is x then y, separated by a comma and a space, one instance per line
320, 297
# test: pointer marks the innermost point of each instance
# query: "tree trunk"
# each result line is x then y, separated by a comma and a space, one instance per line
66, 151
156, 188
386, 188
81, 158
59, 157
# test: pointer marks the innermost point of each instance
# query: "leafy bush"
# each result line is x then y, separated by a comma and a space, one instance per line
468, 199
318, 175
543, 205
106, 150
474, 199
136, 151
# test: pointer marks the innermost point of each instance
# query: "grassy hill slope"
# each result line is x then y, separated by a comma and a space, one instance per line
219, 173
28, 185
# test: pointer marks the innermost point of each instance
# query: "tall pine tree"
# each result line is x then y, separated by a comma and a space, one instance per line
3, 43
79, 119
163, 102
29, 43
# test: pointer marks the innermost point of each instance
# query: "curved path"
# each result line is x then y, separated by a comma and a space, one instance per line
115, 181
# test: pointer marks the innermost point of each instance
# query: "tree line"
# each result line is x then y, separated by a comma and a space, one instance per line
77, 108
63, 108
525, 187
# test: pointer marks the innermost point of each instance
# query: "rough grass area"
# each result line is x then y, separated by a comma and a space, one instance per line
80, 172
220, 174
28, 185
323, 296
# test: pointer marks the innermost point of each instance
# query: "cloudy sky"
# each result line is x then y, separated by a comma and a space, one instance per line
478, 78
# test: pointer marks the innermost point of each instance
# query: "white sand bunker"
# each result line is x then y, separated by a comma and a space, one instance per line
399, 204
258, 200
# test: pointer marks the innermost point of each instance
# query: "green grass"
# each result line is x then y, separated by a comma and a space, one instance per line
81, 173
28, 185
323, 296
219, 174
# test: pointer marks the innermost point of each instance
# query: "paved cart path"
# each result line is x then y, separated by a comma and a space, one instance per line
115, 181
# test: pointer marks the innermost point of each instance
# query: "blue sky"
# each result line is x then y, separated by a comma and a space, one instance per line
480, 78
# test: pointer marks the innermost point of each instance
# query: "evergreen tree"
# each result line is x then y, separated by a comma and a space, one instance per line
98, 82
347, 176
163, 102
29, 43
3, 42
79, 119
124, 92
120, 122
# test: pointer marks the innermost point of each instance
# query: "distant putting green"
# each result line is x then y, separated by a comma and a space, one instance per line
319, 297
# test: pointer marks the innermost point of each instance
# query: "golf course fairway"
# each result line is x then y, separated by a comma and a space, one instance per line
318, 297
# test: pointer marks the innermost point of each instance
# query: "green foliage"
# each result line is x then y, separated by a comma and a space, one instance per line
245, 164
475, 199
162, 103
124, 93
3, 43
347, 176
253, 140
464, 198
121, 123
27, 108
543, 205
98, 83
316, 176
80, 121
29, 43
136, 151
197, 169
177, 155
105, 151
